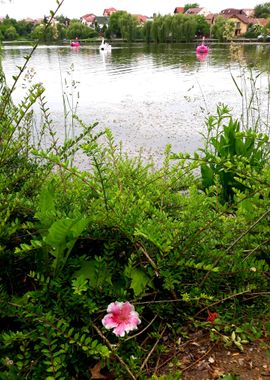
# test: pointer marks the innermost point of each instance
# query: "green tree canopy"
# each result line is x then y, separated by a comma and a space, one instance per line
266, 29
223, 29
147, 31
188, 6
77, 29
24, 28
262, 10
128, 25
202, 28
123, 25
10, 33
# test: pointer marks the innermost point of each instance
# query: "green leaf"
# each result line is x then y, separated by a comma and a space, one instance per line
47, 211
139, 280
66, 230
96, 274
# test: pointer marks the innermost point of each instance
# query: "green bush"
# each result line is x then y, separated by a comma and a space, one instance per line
72, 242
229, 153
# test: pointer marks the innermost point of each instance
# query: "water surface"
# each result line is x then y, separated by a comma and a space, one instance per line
149, 96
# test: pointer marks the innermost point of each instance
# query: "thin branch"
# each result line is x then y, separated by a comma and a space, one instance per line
121, 361
140, 246
152, 350
221, 301
200, 358
236, 241
139, 333
247, 231
255, 249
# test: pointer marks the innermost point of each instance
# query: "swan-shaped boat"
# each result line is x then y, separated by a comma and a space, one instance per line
104, 46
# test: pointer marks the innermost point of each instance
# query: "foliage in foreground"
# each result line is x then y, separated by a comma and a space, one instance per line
73, 241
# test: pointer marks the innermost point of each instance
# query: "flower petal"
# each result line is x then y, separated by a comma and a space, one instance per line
127, 308
119, 330
109, 322
115, 307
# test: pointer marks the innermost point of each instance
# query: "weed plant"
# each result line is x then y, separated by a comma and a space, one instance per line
174, 244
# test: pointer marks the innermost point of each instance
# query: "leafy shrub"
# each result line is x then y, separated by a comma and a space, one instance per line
72, 242
228, 152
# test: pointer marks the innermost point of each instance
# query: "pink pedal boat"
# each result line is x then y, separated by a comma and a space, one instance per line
202, 48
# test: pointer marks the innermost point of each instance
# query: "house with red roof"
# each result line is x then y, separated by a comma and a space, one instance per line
109, 11
141, 19
88, 19
179, 10
242, 19
197, 11
260, 21
241, 22
233, 11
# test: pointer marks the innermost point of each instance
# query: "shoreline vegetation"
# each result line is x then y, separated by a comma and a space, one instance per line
120, 40
180, 27
109, 273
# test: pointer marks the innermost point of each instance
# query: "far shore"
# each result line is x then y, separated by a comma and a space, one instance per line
120, 40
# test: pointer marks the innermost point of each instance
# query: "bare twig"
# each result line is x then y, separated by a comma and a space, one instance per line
198, 360
221, 301
121, 361
139, 333
140, 246
236, 241
152, 350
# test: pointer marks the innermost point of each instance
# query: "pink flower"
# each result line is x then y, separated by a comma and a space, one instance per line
122, 318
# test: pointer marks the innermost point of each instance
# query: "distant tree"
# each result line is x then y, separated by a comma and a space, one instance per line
128, 25
189, 29
61, 31
47, 33
42, 33
156, 28
10, 33
202, 26
104, 29
115, 23
77, 29
38, 32
123, 25
147, 31
24, 28
262, 10
176, 28
229, 30
188, 6
62, 19
7, 22
266, 29
218, 28
166, 30
254, 30
223, 29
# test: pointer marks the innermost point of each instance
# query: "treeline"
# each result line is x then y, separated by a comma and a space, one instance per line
11, 29
176, 28
168, 28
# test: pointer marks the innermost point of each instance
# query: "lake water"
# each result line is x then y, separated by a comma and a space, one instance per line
149, 96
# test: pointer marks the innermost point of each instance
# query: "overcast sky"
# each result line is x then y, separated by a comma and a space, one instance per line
75, 8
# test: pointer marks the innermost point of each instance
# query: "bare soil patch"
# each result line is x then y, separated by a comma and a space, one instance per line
200, 359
